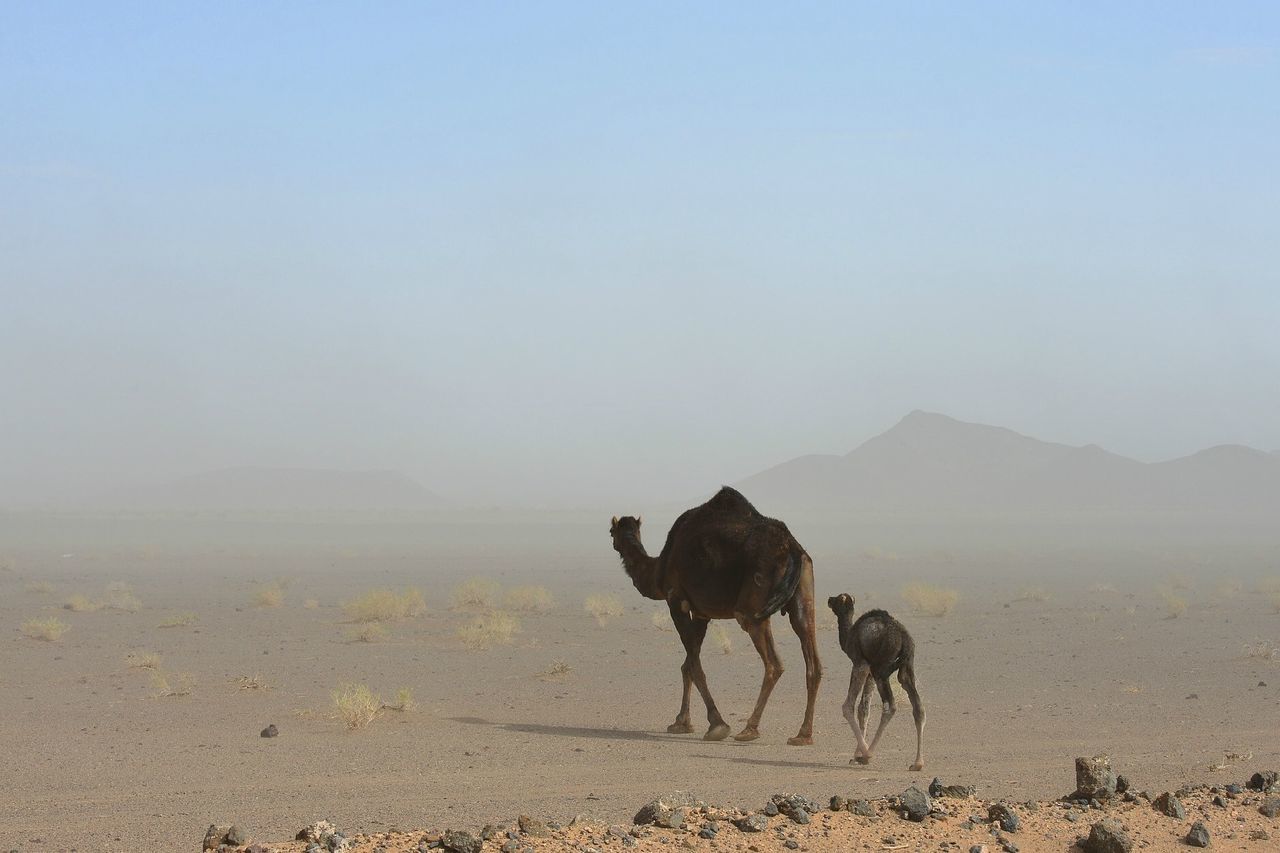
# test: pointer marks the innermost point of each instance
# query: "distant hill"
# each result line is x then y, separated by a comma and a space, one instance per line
931, 462
286, 489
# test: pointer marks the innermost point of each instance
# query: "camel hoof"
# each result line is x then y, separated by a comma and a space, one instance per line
919, 765
860, 759
719, 732
800, 741
746, 734
680, 729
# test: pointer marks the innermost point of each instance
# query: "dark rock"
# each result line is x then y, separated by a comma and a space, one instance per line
337, 843
709, 830
1005, 816
752, 823
770, 809
1198, 835
236, 836
511, 846
1168, 804
1122, 783
978, 848
215, 835
1095, 779
1130, 797
1263, 781
916, 804
793, 806
490, 830
862, 808
1271, 808
269, 731
1259, 835
1072, 816
461, 841
1008, 846
1234, 790
1107, 836
256, 848
1219, 801
839, 803
662, 810
791, 844
935, 787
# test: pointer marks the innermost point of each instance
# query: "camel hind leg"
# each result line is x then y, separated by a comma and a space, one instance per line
857, 679
888, 709
804, 623
864, 707
907, 678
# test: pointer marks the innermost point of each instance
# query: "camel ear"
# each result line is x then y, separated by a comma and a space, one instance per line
613, 523
639, 518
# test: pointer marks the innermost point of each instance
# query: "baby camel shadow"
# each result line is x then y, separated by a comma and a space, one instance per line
767, 762
567, 731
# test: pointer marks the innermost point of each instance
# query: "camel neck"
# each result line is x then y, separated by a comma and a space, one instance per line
644, 571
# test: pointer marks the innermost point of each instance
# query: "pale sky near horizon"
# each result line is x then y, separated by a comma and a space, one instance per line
572, 253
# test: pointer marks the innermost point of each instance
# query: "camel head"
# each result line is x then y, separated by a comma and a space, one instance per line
624, 528
841, 605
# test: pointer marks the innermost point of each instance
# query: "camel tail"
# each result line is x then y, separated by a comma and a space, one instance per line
797, 562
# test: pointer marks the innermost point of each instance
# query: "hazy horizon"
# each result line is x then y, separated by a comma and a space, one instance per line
565, 255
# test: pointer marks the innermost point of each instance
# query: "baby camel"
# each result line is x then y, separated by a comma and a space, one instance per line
878, 645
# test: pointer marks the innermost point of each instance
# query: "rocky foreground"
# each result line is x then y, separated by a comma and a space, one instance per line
1103, 815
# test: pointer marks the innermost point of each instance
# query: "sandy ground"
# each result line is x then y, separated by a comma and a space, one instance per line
96, 760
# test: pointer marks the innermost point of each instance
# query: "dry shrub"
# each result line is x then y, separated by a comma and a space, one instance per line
1174, 604
404, 701
143, 660
356, 705
385, 605
603, 607
558, 669
1262, 650
1102, 588
929, 600
180, 685
269, 594
50, 629
311, 604
1033, 593
40, 588
367, 632
252, 682
722, 639
529, 599
80, 604
177, 620
475, 594
489, 629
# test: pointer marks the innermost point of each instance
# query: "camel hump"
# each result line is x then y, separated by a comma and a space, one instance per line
729, 499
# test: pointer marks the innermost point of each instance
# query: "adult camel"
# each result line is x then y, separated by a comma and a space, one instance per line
724, 560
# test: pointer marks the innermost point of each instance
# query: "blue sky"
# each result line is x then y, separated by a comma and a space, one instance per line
577, 252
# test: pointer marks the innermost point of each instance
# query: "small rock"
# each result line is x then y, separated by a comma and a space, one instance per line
1259, 835
1005, 816
1219, 801
1168, 804
256, 848
862, 808
916, 804
269, 731
1234, 790
1122, 784
511, 846
316, 833
660, 811
1263, 781
1008, 846
215, 835
978, 848
1107, 836
752, 823
770, 809
1271, 808
236, 836
1094, 778
533, 826
1262, 684
791, 844
1198, 836
839, 803
1193, 695
670, 819
793, 806
461, 841
709, 830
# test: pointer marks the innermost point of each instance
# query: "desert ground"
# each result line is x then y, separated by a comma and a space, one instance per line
1152, 640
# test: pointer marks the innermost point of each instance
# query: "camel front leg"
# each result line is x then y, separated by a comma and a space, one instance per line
857, 679
695, 633
683, 724
762, 638
864, 707
804, 624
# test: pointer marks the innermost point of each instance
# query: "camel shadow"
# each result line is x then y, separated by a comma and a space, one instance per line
568, 731
768, 762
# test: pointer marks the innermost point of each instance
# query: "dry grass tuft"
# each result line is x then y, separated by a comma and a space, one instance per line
475, 594
1102, 588
143, 660
404, 701
488, 630
178, 620
50, 630
356, 705
385, 605
603, 607
311, 604
1262, 650
40, 588
180, 685
366, 632
928, 600
529, 599
722, 639
558, 669
80, 604
120, 597
269, 594
1174, 604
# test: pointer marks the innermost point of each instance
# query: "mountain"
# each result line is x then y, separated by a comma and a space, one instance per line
930, 462
286, 489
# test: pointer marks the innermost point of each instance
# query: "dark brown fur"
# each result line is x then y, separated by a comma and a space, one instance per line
724, 560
